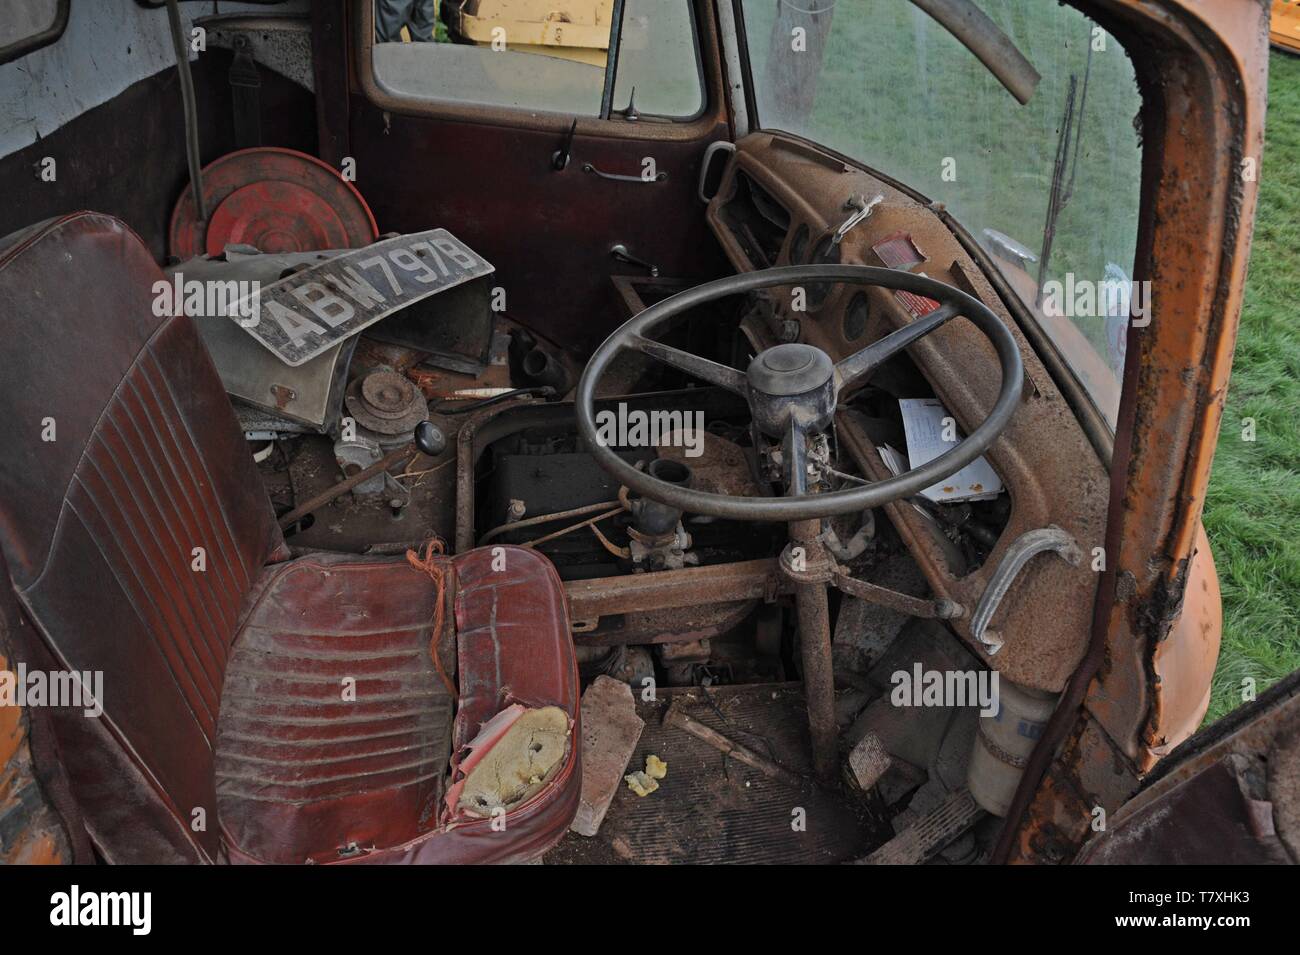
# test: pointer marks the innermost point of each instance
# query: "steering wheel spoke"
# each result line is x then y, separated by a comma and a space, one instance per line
711, 371
860, 364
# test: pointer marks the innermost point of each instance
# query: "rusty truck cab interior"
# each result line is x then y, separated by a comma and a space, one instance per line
711, 389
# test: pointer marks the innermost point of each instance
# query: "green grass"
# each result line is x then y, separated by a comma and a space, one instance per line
1252, 513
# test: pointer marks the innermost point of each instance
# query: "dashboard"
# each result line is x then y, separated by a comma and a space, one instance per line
781, 202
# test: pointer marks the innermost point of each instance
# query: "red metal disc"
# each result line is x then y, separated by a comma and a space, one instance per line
276, 216
275, 199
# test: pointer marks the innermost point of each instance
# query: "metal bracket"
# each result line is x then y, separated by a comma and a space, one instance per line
245, 93
1025, 547
938, 609
863, 208
280, 42
811, 567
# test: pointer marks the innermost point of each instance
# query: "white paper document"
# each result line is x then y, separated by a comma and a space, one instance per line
897, 463
931, 432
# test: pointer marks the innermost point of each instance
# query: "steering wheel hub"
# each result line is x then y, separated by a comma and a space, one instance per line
791, 381
792, 369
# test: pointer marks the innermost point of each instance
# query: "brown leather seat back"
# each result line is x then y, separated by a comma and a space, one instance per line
132, 518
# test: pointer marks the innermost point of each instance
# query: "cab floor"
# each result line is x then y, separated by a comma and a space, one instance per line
714, 809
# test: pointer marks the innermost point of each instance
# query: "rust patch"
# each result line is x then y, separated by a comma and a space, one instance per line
30, 831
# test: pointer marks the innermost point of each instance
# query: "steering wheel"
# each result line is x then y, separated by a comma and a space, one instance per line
792, 391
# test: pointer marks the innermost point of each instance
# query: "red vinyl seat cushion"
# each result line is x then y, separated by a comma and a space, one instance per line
336, 737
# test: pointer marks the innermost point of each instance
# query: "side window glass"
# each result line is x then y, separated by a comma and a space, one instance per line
659, 61
530, 56
1051, 187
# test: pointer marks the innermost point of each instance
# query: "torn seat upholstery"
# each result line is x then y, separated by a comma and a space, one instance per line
255, 708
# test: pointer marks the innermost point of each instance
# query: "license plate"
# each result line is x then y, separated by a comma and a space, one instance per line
301, 316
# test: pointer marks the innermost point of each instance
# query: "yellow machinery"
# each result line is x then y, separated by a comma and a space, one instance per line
1284, 25
568, 29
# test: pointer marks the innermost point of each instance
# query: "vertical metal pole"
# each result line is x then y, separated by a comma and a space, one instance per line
192, 155
815, 654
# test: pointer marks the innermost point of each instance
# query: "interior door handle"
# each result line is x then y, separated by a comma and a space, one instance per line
615, 177
621, 253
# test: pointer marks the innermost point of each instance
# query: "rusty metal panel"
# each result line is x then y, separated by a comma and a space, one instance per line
1194, 243
30, 830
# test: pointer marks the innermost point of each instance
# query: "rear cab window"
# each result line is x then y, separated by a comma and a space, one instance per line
570, 58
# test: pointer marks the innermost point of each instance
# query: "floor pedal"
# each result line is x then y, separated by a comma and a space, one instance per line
919, 841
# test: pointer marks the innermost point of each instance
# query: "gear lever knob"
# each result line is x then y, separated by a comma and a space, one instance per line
430, 439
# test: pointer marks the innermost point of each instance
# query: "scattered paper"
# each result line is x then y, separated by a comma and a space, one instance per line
897, 463
931, 431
